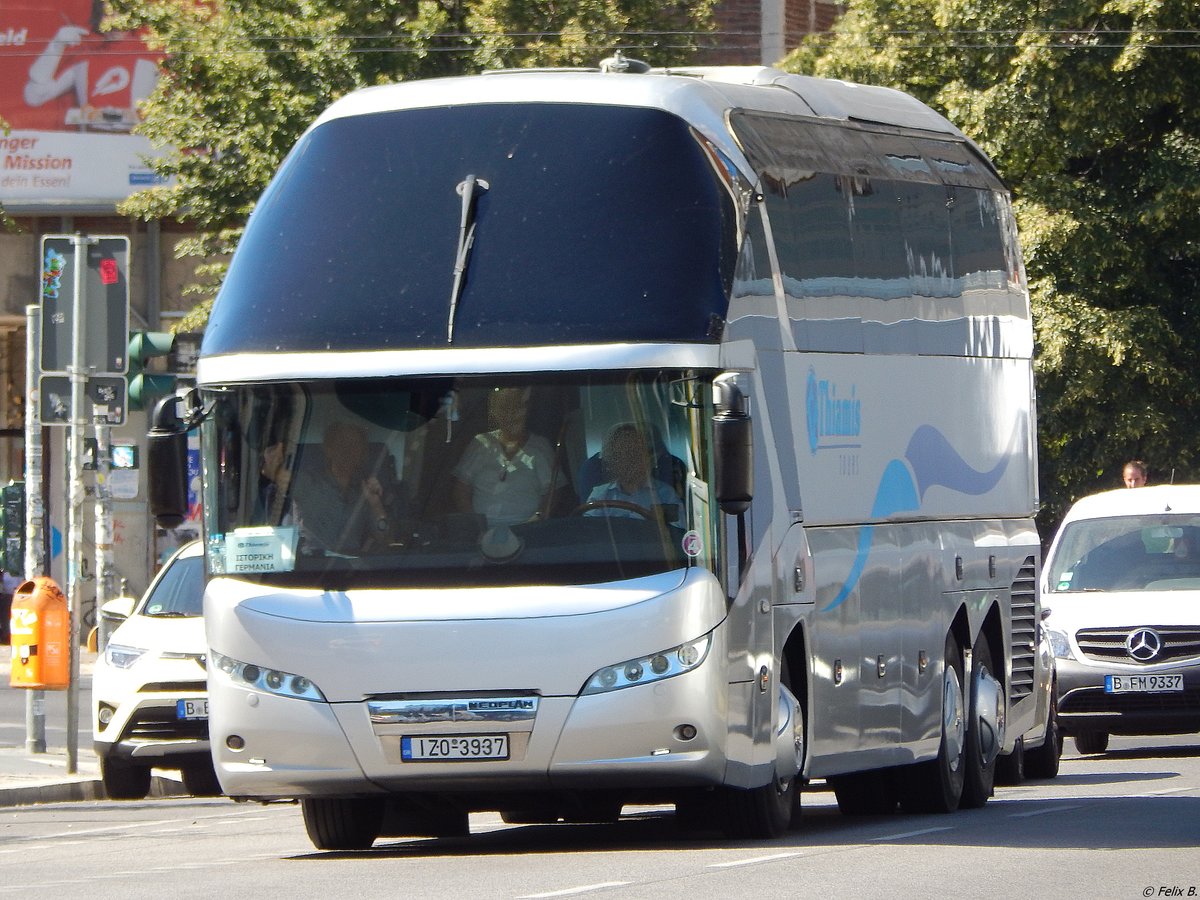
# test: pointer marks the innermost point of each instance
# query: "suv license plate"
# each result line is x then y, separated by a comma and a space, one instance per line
192, 709
1143, 684
451, 747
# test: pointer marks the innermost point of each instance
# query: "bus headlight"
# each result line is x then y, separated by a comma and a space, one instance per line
269, 681
647, 669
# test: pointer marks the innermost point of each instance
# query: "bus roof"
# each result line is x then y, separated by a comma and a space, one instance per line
693, 93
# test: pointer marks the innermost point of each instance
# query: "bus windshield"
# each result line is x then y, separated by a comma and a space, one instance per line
571, 478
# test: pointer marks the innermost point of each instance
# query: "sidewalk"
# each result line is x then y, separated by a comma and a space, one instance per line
27, 778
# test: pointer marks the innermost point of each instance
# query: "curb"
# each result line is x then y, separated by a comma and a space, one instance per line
83, 789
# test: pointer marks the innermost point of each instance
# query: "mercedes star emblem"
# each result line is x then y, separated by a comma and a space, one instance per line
1143, 644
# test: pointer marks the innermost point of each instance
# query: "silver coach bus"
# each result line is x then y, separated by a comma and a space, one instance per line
573, 439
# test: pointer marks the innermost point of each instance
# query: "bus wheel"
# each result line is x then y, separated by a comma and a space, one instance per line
770, 810
342, 824
763, 812
865, 793
937, 785
985, 729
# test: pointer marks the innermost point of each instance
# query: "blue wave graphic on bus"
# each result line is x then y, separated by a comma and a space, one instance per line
929, 460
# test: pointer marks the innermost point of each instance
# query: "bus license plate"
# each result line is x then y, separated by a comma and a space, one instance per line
196, 708
450, 747
1143, 684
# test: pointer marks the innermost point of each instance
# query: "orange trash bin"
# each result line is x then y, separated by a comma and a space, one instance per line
40, 627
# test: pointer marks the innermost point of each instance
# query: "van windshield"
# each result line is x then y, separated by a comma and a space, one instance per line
1128, 553
564, 479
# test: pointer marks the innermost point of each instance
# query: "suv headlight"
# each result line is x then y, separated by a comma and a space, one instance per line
269, 681
1060, 644
122, 656
645, 669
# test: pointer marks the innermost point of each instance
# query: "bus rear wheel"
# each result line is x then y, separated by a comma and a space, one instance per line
984, 729
937, 785
335, 823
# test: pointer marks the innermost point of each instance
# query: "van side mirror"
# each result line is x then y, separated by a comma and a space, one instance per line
166, 454
733, 446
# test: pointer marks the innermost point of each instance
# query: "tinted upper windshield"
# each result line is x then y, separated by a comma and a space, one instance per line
579, 211
1128, 553
565, 479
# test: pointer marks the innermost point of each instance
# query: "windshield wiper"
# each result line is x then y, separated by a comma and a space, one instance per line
469, 189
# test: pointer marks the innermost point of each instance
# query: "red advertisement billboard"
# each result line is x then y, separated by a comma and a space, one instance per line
70, 94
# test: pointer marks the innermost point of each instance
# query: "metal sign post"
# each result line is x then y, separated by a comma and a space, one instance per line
35, 545
84, 279
78, 372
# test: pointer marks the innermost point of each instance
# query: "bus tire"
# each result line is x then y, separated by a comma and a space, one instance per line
980, 768
335, 823
769, 811
762, 812
936, 786
865, 793
200, 779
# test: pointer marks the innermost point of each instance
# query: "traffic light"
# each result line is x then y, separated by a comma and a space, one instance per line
147, 387
12, 527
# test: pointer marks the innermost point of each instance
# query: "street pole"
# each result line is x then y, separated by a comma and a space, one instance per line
79, 377
35, 514
104, 531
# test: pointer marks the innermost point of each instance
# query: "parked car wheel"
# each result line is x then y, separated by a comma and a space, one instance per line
1090, 742
123, 780
1042, 762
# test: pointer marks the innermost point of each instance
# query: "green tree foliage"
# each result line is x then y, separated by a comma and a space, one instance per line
243, 78
1088, 109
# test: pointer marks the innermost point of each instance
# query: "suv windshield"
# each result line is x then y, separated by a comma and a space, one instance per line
180, 590
1128, 553
570, 478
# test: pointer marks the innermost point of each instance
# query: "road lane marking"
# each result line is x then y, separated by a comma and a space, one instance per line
908, 834
582, 889
1043, 812
751, 862
1181, 790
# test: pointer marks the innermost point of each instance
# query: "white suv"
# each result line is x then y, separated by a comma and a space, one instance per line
150, 686
1121, 586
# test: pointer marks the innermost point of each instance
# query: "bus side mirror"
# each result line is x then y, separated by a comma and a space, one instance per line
733, 447
167, 464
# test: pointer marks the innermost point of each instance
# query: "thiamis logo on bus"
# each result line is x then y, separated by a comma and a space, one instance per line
834, 415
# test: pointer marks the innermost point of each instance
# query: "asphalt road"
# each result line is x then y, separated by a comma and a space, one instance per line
1122, 825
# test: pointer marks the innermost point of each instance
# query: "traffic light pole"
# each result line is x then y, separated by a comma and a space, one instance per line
35, 547
78, 372
104, 530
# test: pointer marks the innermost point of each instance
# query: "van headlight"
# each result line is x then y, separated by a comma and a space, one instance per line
1060, 644
260, 678
645, 669
122, 656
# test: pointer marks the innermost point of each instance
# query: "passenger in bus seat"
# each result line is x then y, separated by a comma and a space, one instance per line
505, 474
627, 462
339, 503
